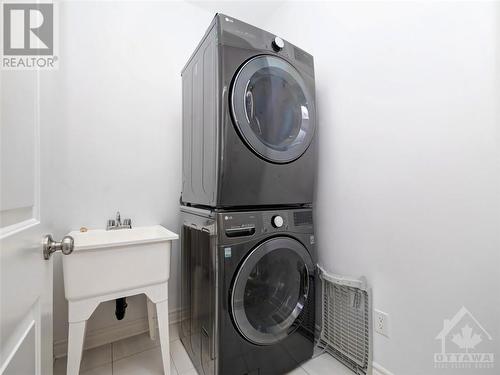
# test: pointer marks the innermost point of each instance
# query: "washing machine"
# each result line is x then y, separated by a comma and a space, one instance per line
248, 290
249, 120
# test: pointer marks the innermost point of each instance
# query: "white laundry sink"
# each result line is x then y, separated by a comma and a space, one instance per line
106, 265
105, 262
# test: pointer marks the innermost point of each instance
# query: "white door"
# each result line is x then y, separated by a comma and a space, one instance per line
25, 277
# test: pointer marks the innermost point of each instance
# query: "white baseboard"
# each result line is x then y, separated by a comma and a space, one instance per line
113, 333
377, 369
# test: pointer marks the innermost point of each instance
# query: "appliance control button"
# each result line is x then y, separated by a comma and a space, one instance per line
278, 44
277, 221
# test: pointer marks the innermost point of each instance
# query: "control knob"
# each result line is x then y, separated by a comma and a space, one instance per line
278, 44
277, 221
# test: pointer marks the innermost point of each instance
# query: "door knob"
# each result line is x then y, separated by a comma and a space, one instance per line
49, 246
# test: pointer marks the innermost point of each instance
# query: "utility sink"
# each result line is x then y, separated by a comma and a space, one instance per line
110, 264
107, 262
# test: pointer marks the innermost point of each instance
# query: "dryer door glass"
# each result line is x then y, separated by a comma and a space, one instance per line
270, 290
273, 109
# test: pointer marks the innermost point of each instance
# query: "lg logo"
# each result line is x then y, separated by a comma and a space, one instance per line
28, 29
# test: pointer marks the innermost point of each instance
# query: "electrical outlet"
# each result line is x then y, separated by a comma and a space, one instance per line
381, 323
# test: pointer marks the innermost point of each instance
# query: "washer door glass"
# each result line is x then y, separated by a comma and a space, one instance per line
273, 109
270, 290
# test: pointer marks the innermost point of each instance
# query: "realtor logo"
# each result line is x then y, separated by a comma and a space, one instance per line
28, 36
463, 343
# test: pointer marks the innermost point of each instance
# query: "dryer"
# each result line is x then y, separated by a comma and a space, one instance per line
248, 289
249, 120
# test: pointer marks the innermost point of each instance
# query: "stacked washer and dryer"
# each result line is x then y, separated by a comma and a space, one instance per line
249, 162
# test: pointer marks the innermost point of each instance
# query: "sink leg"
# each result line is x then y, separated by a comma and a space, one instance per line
75, 346
151, 320
162, 315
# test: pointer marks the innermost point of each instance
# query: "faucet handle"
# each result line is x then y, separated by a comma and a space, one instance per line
127, 223
111, 223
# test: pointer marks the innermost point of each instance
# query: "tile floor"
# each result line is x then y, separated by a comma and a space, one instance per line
139, 355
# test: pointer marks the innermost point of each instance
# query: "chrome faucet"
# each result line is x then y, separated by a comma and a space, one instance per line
117, 223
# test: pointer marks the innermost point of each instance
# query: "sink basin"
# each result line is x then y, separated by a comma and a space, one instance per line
106, 262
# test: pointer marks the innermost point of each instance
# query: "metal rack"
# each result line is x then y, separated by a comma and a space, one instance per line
346, 313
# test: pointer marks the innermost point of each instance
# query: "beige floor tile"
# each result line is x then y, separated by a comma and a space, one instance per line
92, 358
190, 372
181, 358
148, 362
133, 345
325, 364
298, 371
101, 370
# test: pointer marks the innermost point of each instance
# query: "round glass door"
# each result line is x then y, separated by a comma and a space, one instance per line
273, 109
270, 290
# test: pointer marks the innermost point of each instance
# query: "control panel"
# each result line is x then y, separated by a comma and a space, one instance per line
246, 224
235, 31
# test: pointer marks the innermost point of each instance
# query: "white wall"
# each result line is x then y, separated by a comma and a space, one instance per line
408, 187
113, 115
